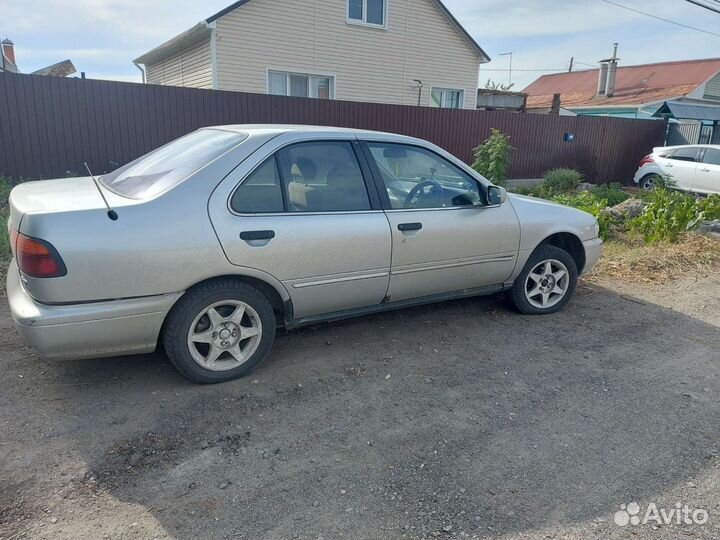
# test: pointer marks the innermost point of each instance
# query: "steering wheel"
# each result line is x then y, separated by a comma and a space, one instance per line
427, 189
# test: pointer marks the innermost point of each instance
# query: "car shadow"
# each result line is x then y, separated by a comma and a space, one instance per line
462, 414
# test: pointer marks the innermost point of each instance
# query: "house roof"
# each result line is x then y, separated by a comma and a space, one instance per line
684, 110
201, 30
634, 86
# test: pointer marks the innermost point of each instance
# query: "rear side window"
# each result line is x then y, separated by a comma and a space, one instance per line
169, 165
685, 154
261, 192
712, 156
320, 176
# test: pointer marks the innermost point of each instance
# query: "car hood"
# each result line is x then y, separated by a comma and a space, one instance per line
543, 217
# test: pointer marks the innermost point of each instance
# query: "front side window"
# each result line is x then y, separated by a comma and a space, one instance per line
321, 176
169, 165
370, 12
281, 83
685, 154
446, 98
418, 178
712, 156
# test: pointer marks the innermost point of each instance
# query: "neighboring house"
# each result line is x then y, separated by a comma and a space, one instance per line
8, 63
685, 92
391, 51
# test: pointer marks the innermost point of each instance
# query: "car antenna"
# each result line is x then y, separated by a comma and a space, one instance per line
112, 214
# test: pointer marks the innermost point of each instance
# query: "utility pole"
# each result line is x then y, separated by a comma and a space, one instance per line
572, 60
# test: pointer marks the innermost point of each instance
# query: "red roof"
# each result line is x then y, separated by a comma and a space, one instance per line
634, 85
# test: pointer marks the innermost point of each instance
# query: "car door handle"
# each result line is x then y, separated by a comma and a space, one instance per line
409, 227
669, 165
705, 170
249, 236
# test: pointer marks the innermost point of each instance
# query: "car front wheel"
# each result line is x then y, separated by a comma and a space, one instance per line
546, 283
219, 331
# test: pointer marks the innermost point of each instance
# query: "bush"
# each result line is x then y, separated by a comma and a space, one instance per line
562, 180
668, 215
613, 193
590, 203
710, 207
4, 237
5, 187
492, 158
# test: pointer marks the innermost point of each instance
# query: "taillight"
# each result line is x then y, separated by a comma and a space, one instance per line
37, 258
647, 159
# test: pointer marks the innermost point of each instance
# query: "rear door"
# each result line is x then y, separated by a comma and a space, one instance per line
445, 237
304, 215
707, 176
681, 166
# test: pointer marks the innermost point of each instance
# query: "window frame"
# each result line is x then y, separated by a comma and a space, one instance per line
363, 22
461, 100
289, 72
368, 179
382, 189
697, 159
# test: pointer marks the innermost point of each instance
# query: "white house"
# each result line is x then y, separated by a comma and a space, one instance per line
390, 51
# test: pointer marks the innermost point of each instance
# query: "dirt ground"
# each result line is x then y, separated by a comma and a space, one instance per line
457, 420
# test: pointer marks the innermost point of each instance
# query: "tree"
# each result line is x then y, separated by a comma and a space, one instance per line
492, 85
492, 158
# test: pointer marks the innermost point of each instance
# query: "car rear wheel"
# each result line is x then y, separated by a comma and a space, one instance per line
546, 283
219, 331
649, 182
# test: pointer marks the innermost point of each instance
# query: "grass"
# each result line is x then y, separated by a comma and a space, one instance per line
5, 188
631, 260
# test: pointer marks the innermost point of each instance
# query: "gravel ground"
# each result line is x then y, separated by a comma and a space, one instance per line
457, 420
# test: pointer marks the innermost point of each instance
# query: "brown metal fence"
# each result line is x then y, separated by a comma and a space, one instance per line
49, 126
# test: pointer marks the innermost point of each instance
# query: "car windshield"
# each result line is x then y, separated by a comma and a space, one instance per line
167, 166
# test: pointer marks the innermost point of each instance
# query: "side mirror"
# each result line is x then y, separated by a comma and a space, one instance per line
496, 195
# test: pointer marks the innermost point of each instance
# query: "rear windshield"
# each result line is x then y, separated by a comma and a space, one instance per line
167, 166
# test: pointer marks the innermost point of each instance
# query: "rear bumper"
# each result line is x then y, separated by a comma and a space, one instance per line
91, 330
593, 251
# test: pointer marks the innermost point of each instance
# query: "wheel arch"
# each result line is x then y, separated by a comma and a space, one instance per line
273, 290
570, 243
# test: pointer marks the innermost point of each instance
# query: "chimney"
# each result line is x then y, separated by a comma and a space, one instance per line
8, 49
612, 72
555, 107
602, 79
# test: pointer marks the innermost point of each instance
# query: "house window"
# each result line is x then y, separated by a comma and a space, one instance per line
369, 12
446, 98
281, 83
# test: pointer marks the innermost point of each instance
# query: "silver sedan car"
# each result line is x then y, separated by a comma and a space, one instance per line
212, 241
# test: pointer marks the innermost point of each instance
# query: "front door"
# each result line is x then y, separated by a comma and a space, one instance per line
445, 238
304, 216
707, 176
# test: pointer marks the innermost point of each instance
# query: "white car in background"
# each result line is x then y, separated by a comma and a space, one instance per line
694, 168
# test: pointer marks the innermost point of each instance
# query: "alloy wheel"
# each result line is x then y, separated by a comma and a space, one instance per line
547, 284
224, 335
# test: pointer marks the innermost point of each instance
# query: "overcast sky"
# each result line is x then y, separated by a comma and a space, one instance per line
103, 36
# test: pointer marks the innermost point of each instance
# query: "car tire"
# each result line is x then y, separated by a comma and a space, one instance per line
649, 182
219, 331
535, 290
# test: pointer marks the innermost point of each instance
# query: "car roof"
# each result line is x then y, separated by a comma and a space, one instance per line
716, 146
297, 128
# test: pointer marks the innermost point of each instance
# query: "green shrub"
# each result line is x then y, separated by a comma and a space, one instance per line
5, 187
667, 215
4, 238
562, 180
590, 203
613, 193
492, 158
710, 207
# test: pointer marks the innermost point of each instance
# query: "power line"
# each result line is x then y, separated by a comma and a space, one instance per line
705, 6
661, 19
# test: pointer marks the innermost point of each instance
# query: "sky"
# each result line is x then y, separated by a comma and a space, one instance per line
102, 37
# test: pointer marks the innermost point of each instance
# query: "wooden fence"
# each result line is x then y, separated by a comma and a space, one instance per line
49, 126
